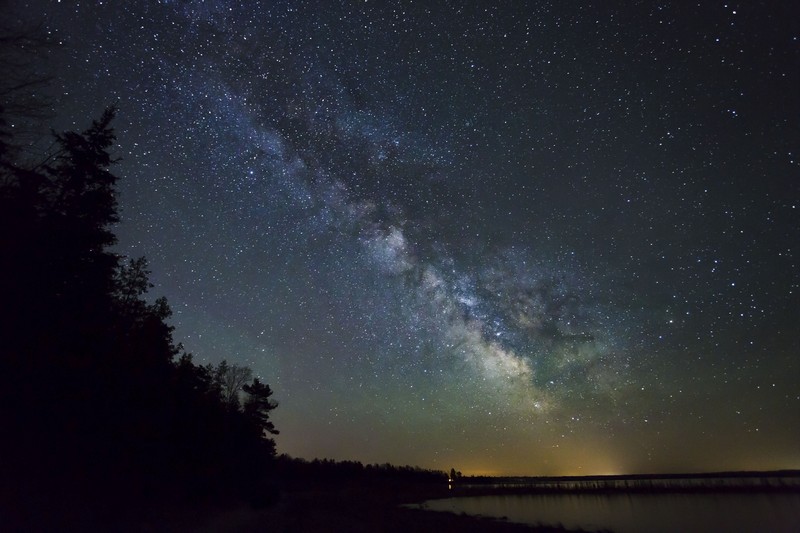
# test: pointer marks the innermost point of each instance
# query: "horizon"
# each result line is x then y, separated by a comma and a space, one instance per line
677, 474
548, 240
733, 473
490, 473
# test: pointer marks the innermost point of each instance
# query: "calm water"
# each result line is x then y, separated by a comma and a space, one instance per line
639, 512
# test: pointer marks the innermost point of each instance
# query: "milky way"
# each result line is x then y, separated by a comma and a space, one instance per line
533, 239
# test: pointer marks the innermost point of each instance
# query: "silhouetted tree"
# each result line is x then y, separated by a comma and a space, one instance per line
132, 282
22, 105
55, 229
94, 400
230, 379
258, 406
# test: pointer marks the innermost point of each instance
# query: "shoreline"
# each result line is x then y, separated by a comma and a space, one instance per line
349, 508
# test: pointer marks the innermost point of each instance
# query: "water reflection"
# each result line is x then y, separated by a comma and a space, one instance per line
632, 513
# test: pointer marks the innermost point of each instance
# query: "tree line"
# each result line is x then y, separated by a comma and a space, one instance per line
96, 398
101, 411
300, 473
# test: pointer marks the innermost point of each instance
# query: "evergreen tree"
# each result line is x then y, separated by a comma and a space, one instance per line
93, 402
258, 406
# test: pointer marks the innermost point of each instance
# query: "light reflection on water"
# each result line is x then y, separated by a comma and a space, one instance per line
633, 513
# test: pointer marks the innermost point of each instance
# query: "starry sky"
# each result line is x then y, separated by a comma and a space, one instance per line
531, 238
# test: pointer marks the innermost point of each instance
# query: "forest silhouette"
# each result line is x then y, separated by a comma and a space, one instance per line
98, 401
103, 414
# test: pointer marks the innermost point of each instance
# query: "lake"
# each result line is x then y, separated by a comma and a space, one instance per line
632, 513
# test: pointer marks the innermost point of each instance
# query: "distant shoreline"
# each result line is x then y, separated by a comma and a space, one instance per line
762, 481
697, 475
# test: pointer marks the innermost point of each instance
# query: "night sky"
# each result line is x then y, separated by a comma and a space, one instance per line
506, 237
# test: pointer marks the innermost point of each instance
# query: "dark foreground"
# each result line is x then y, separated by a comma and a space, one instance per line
334, 509
303, 503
